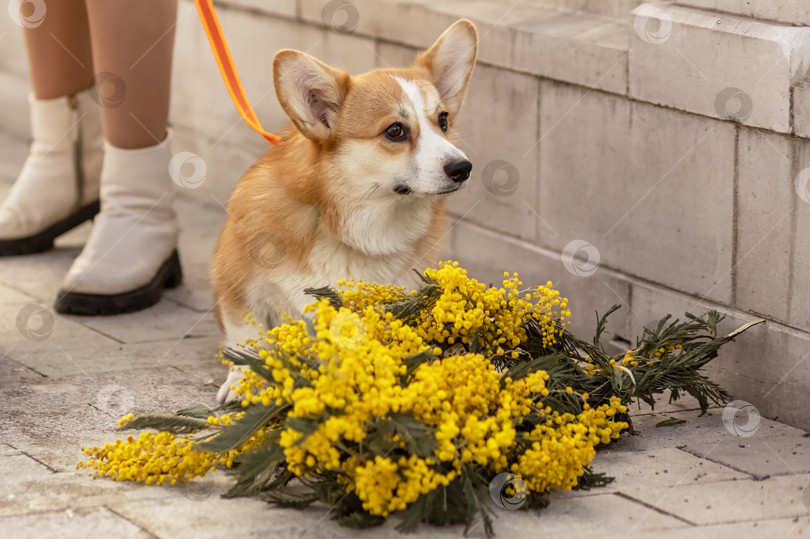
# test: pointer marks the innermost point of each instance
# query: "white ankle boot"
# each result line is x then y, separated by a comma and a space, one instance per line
131, 254
58, 186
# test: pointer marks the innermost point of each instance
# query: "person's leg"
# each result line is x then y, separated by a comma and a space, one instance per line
132, 50
59, 58
131, 255
57, 188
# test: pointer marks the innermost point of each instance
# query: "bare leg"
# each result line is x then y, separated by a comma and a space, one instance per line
132, 50
49, 197
59, 55
131, 253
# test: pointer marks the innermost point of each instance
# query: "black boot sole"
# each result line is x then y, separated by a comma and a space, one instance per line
43, 241
170, 275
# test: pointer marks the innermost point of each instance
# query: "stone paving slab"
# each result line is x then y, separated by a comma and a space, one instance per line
195, 292
194, 356
13, 373
729, 501
662, 467
781, 527
23, 467
217, 517
96, 522
70, 490
167, 320
40, 275
52, 419
32, 328
759, 456
594, 515
10, 294
701, 430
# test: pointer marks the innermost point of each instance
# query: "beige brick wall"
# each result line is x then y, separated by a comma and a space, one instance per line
672, 141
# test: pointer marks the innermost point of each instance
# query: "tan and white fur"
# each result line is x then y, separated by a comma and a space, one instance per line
355, 189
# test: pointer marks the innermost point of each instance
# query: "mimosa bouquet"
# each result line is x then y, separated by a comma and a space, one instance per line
426, 403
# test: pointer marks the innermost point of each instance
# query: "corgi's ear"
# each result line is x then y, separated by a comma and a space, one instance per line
310, 92
450, 62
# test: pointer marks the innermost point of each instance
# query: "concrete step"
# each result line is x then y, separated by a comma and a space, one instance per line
795, 12
610, 8
748, 77
580, 48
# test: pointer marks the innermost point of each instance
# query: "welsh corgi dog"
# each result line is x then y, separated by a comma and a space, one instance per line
355, 188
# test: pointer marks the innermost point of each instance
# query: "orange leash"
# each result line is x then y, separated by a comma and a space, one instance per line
225, 62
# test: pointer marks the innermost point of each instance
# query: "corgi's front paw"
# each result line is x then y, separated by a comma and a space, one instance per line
226, 392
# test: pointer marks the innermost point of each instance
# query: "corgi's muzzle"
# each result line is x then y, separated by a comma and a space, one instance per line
458, 171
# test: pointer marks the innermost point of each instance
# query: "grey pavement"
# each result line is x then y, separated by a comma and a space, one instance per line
65, 392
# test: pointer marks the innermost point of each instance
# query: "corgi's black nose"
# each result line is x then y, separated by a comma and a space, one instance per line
458, 171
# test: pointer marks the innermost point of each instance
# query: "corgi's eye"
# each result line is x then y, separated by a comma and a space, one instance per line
443, 121
396, 132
